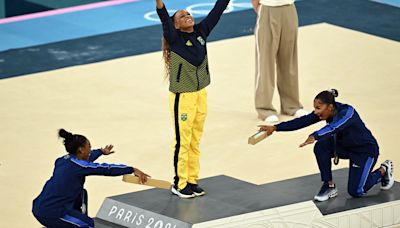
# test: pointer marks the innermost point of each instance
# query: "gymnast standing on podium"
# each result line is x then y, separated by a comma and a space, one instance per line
185, 56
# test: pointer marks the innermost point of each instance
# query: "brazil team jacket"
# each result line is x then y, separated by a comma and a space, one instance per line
66, 184
350, 131
189, 71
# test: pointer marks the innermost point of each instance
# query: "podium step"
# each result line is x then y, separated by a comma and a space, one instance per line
230, 201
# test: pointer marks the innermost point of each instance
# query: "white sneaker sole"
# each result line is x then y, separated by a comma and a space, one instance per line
325, 198
176, 192
199, 194
300, 113
390, 174
272, 119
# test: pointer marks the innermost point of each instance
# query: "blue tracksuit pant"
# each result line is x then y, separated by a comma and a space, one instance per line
361, 177
76, 217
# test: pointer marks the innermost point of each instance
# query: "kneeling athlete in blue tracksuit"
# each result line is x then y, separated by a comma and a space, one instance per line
345, 136
63, 200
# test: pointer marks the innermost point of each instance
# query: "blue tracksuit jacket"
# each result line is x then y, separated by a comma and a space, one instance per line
351, 133
66, 184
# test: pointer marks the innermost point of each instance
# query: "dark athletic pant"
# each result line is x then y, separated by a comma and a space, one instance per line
361, 177
73, 218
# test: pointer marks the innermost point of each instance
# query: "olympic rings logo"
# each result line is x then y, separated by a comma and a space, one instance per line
201, 9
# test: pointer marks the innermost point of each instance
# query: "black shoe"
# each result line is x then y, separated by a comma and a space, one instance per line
327, 191
183, 193
196, 189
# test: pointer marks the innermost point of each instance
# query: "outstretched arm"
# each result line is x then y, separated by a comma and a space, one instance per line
346, 118
291, 125
298, 123
105, 169
169, 31
208, 23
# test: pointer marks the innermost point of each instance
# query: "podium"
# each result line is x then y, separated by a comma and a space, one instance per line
235, 203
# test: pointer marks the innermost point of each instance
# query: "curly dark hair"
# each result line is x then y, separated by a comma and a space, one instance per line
72, 142
327, 96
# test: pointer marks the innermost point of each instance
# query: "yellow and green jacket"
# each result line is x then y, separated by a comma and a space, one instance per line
185, 77
189, 70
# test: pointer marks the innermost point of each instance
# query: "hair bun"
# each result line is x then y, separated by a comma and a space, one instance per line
334, 92
65, 134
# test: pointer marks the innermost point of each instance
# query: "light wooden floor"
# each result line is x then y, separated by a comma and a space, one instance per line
125, 102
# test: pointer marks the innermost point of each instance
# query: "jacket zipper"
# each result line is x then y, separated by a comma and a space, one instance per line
197, 76
178, 77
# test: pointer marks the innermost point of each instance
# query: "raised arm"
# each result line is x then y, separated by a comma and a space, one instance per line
169, 31
208, 23
159, 4
256, 4
94, 154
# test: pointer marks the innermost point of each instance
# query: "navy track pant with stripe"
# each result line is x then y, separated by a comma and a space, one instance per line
76, 217
361, 176
71, 219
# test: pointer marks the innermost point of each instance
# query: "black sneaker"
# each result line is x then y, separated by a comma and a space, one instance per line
196, 189
327, 191
183, 193
387, 180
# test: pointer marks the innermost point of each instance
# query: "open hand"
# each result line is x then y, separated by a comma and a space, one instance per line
309, 140
107, 150
267, 128
142, 176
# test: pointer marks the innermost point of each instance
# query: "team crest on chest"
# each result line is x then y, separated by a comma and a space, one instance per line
184, 116
201, 40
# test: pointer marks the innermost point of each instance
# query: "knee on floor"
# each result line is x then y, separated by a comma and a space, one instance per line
354, 192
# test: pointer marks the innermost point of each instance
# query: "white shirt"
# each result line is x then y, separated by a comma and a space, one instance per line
276, 2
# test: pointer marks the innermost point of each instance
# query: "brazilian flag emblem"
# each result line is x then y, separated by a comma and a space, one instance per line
201, 40
184, 116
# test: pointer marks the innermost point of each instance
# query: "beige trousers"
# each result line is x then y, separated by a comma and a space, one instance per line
276, 45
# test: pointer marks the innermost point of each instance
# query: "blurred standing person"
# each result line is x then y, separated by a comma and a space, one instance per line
276, 45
